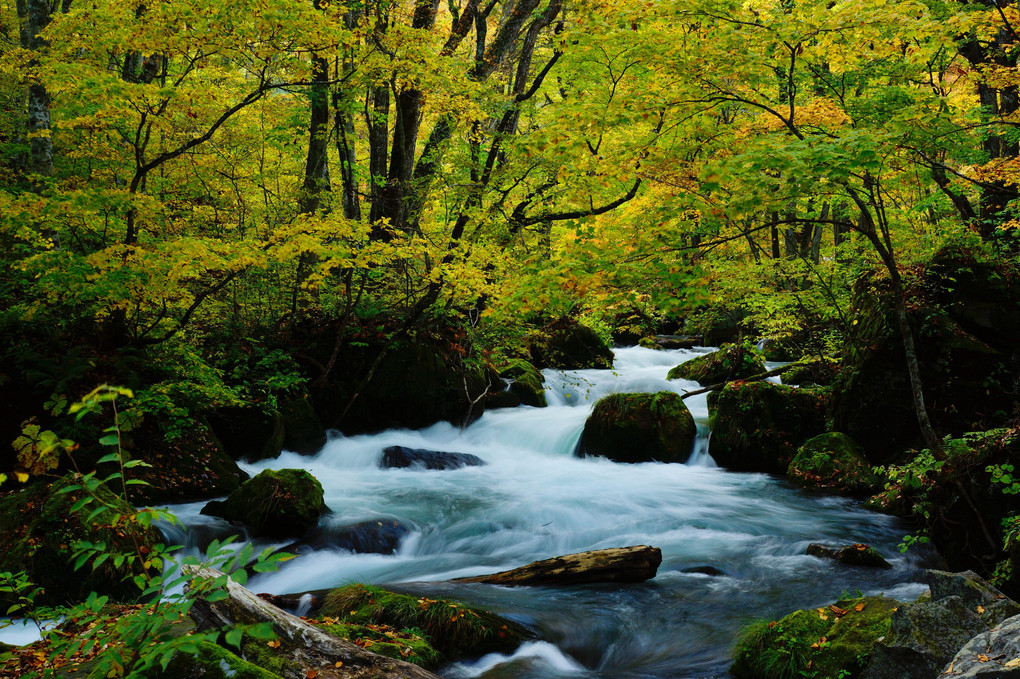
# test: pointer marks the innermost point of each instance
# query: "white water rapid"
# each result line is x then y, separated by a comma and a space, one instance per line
534, 499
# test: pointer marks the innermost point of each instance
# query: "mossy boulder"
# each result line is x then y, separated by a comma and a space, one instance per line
38, 532
302, 429
964, 311
758, 426
249, 432
190, 465
276, 503
804, 373
730, 362
639, 428
568, 345
451, 628
834, 461
416, 382
211, 662
831, 642
527, 382
409, 645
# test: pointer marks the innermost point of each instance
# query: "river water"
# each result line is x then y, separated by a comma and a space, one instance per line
534, 500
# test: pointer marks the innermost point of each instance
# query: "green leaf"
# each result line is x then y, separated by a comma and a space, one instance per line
234, 637
109, 440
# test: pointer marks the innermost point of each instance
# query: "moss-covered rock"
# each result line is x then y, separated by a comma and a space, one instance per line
211, 662
38, 532
302, 430
248, 432
834, 642
276, 503
964, 311
568, 345
833, 461
453, 629
730, 362
758, 426
527, 382
804, 373
190, 466
639, 428
400, 644
416, 382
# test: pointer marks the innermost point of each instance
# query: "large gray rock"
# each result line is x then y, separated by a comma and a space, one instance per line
989, 655
923, 637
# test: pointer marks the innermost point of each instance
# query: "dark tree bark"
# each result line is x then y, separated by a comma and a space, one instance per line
34, 16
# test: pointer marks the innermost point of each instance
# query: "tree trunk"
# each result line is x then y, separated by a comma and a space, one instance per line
316, 179
306, 651
621, 564
34, 16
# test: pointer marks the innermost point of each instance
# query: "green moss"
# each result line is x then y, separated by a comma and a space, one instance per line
38, 532
730, 362
640, 428
276, 503
527, 382
400, 644
833, 642
452, 629
834, 461
807, 372
212, 662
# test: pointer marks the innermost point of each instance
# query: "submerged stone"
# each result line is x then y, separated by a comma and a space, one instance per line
400, 457
856, 554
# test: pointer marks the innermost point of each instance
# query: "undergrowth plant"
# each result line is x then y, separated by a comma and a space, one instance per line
130, 641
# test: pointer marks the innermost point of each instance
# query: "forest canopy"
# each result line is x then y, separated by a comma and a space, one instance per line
189, 191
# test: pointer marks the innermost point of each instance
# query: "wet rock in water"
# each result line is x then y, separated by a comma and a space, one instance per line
303, 431
621, 564
276, 503
400, 457
249, 432
671, 341
730, 362
758, 426
856, 554
571, 346
705, 570
639, 428
833, 461
380, 536
989, 655
527, 382
831, 641
926, 635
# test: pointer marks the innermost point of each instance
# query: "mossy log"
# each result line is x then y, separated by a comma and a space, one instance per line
304, 649
619, 564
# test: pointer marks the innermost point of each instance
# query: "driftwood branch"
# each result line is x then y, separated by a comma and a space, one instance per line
756, 378
308, 650
621, 564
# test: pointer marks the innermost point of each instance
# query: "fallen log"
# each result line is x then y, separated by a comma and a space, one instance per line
756, 378
304, 650
620, 564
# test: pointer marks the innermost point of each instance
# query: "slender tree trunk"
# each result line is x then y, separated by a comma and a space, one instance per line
316, 179
34, 16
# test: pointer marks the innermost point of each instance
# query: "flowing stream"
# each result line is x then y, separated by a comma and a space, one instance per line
535, 500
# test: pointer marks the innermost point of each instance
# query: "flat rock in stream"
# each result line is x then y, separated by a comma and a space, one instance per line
399, 457
619, 564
